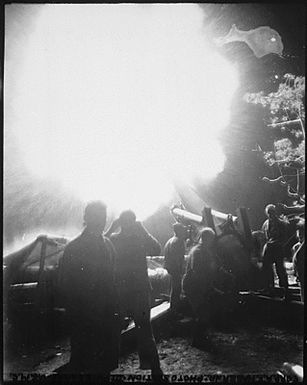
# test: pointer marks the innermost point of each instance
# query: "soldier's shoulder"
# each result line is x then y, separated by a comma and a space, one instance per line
265, 223
173, 243
74, 244
177, 241
168, 242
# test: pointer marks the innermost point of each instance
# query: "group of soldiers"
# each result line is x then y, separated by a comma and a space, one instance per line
210, 287
104, 281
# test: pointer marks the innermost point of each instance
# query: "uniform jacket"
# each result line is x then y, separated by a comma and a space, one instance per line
87, 275
131, 263
275, 230
174, 252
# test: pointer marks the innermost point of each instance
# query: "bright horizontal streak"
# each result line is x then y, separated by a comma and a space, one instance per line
114, 101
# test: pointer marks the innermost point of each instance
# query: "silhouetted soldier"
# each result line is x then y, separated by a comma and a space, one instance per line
174, 252
273, 252
132, 244
206, 284
298, 260
88, 284
299, 249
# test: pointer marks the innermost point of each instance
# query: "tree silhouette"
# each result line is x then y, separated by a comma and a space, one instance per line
285, 115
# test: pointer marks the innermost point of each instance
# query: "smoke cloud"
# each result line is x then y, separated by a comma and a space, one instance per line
115, 101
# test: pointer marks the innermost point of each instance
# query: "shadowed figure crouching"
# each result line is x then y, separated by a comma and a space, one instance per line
207, 285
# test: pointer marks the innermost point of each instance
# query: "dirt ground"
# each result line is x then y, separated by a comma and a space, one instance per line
245, 350
242, 351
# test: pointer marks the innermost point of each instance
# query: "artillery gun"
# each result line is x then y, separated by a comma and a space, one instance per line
236, 245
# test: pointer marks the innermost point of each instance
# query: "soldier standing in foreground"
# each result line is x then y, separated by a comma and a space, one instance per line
87, 283
132, 244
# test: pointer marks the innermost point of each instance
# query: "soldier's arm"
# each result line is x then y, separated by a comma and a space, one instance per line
152, 246
115, 278
191, 261
113, 227
181, 249
112, 255
165, 250
166, 255
264, 228
188, 268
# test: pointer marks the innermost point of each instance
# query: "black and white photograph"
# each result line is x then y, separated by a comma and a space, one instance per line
153, 192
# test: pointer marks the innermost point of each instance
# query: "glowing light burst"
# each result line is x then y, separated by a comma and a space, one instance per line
114, 101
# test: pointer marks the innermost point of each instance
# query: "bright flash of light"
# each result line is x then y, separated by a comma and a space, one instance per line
116, 101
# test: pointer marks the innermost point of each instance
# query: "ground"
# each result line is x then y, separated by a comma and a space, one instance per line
244, 350
241, 352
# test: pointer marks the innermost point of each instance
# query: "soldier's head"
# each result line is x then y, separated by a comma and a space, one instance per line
207, 237
180, 230
270, 210
95, 216
127, 220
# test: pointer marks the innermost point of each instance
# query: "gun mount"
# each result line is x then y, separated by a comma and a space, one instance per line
220, 222
234, 239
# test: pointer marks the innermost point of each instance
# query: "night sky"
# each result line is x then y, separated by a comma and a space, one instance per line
240, 183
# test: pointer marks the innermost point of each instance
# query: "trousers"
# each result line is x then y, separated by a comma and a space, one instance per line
175, 290
136, 304
94, 344
274, 253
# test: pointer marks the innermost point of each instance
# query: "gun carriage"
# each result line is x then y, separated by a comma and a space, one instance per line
236, 245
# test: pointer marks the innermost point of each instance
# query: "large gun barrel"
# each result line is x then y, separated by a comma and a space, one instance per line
216, 217
186, 215
222, 216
